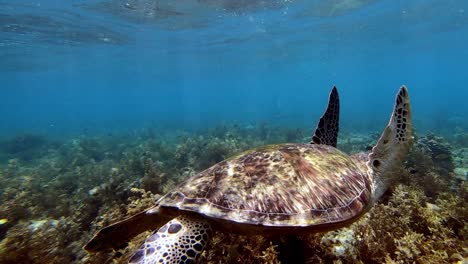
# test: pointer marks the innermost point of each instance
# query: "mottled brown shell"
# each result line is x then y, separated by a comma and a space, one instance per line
289, 185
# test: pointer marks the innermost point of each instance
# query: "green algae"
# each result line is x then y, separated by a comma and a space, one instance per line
55, 201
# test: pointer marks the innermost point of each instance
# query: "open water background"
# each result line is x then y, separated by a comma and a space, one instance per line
68, 67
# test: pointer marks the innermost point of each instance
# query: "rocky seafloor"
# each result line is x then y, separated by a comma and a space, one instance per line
55, 193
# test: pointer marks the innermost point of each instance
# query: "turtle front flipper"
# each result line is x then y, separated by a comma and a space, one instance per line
394, 143
181, 240
118, 234
326, 132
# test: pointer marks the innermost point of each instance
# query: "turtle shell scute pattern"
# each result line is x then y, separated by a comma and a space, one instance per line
280, 185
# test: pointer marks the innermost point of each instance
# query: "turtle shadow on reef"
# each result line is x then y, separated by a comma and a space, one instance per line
291, 249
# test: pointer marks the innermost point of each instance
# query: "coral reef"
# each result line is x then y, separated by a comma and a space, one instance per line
55, 194
461, 163
353, 143
440, 152
461, 139
409, 229
25, 147
431, 165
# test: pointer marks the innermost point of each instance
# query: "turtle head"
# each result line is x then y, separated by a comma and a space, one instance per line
387, 155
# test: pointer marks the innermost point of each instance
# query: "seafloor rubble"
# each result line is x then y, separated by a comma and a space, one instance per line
56, 193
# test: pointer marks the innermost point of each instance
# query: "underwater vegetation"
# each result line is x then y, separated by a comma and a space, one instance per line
54, 194
25, 147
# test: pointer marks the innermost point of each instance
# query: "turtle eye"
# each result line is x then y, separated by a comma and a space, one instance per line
376, 163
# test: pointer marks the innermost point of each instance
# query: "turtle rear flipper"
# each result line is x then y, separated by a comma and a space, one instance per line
326, 132
394, 143
181, 240
118, 234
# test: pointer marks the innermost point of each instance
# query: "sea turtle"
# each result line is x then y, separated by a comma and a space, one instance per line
275, 189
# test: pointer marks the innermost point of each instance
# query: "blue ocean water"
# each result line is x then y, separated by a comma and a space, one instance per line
101, 66
105, 105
